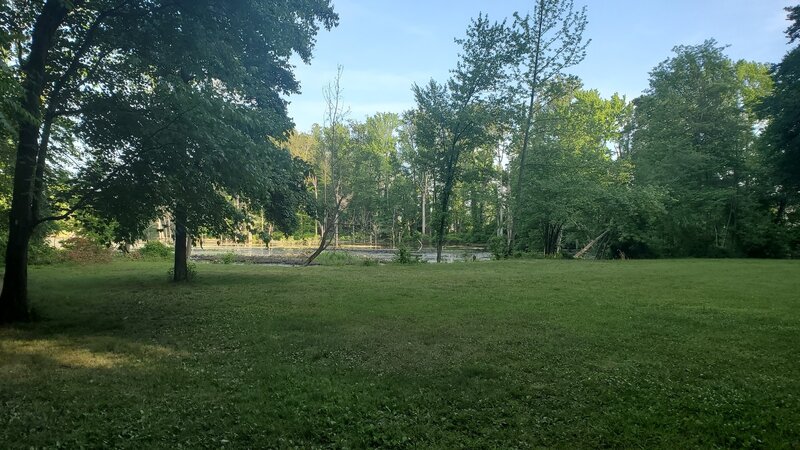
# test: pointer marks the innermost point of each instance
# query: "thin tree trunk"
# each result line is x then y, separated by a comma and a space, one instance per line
328, 230
552, 238
424, 197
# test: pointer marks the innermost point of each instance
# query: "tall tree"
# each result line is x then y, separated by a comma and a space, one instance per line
72, 51
456, 118
546, 43
575, 186
781, 110
334, 140
22, 219
209, 167
375, 174
691, 138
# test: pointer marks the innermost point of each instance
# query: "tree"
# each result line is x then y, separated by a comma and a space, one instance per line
691, 137
71, 52
208, 167
453, 119
793, 32
781, 110
576, 188
544, 45
334, 137
22, 217
375, 175
306, 147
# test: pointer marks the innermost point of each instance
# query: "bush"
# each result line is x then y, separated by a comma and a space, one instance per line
42, 254
155, 250
84, 251
404, 256
228, 258
498, 245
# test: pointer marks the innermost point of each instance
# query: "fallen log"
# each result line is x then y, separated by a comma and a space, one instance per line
589, 246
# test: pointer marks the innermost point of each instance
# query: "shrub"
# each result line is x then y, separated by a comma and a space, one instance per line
498, 245
155, 250
404, 256
84, 251
41, 254
228, 258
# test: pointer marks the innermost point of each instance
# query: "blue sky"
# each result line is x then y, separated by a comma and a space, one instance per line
386, 46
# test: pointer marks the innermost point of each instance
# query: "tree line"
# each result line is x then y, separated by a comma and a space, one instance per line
115, 113
514, 152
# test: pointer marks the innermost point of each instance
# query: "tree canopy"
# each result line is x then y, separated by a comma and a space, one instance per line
90, 69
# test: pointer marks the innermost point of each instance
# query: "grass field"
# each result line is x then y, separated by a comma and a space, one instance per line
517, 354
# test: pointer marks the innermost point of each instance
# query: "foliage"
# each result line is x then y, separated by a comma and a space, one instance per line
44, 254
544, 45
498, 245
83, 250
691, 137
133, 82
576, 186
684, 171
404, 256
338, 258
681, 354
781, 146
459, 116
155, 250
227, 258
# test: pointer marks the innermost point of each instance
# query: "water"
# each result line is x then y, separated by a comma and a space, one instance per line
283, 254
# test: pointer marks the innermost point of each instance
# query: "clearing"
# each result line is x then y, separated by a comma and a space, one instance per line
498, 354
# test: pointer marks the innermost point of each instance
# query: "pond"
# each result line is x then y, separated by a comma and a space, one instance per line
297, 254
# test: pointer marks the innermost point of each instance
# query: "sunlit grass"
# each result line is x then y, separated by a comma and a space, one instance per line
502, 354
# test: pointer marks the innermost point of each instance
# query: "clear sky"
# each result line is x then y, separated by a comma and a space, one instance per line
386, 46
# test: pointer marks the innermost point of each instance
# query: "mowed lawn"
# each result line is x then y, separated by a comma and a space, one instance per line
516, 354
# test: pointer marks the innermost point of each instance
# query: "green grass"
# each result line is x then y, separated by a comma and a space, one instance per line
669, 354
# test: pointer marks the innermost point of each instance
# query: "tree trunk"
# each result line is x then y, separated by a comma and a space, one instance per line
336, 235
424, 197
14, 298
14, 301
442, 225
781, 209
552, 239
449, 181
180, 271
325, 240
336, 220
331, 222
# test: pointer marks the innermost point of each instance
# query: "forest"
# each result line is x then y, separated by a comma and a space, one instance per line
116, 115
513, 152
